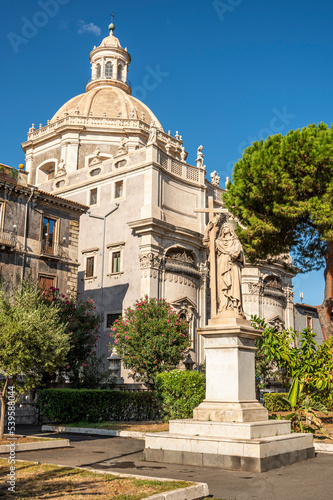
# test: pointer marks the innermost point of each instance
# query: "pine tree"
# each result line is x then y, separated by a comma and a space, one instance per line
281, 193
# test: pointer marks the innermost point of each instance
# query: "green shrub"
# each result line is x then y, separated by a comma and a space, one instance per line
179, 392
325, 400
93, 405
273, 403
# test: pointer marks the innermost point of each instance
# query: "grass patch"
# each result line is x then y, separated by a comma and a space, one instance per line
40, 481
150, 426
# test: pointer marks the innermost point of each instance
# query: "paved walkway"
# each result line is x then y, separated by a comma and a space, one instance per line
309, 480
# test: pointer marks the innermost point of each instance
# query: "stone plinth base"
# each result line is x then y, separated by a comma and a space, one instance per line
248, 446
251, 411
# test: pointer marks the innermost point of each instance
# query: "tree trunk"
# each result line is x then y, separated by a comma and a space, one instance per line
325, 310
3, 409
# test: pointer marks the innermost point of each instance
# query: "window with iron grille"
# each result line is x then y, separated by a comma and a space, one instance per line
111, 318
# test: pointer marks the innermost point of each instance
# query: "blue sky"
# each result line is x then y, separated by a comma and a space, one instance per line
229, 71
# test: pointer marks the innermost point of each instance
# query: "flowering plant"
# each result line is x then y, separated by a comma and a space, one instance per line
151, 338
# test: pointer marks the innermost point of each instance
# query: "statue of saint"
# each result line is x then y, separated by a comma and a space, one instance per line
230, 260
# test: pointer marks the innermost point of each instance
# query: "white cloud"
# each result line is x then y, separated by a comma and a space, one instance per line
88, 28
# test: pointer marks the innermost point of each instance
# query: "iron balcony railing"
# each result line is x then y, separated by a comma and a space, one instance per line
123, 80
55, 251
7, 239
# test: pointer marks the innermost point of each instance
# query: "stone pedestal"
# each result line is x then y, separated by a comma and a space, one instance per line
230, 373
230, 429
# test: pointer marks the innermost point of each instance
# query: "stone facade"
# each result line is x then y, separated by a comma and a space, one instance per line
106, 149
26, 247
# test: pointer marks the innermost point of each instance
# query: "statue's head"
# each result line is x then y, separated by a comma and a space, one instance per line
227, 228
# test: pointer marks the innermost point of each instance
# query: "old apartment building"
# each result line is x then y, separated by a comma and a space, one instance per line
38, 233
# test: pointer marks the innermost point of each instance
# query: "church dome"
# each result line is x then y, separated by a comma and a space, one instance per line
108, 91
109, 102
110, 41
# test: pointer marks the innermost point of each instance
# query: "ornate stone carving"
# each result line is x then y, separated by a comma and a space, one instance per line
150, 260
256, 288
288, 291
200, 157
61, 168
96, 158
273, 281
215, 178
122, 148
152, 133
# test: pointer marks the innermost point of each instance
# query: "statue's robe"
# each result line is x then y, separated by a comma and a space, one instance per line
230, 260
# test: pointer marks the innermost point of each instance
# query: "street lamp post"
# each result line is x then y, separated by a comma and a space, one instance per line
102, 278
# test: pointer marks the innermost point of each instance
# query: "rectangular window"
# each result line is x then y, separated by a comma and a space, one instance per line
93, 196
111, 318
51, 173
90, 267
115, 262
309, 322
119, 189
48, 235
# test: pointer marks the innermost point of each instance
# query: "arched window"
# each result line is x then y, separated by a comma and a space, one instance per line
98, 70
120, 72
108, 70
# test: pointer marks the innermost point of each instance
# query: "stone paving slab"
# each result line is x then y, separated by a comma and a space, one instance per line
39, 445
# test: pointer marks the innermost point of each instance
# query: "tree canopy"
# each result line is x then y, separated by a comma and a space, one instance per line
282, 195
32, 340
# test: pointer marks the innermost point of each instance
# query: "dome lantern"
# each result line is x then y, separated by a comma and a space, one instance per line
109, 64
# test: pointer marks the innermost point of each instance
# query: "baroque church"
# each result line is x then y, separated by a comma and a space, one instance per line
144, 230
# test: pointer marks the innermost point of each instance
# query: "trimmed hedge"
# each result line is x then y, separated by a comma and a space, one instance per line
94, 405
273, 403
179, 392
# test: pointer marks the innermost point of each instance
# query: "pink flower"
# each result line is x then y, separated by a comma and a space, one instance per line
162, 335
67, 366
126, 337
116, 341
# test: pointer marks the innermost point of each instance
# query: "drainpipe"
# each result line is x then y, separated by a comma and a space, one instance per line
25, 235
102, 277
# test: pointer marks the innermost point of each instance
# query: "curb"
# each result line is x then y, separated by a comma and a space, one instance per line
39, 445
195, 492
92, 431
323, 447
